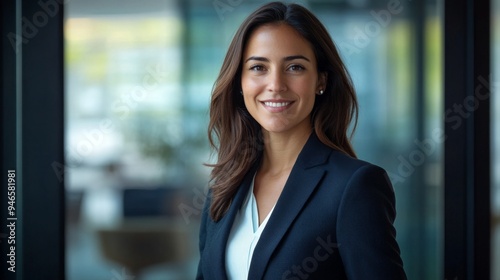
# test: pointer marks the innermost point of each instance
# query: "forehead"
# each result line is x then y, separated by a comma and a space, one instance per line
275, 41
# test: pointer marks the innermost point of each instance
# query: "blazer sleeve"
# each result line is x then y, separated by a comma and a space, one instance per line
203, 234
365, 231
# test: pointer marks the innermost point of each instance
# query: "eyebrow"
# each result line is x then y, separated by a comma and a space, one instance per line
288, 58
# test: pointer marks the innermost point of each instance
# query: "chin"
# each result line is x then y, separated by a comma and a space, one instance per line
276, 126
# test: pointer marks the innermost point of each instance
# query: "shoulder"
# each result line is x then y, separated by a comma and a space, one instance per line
352, 170
349, 163
315, 153
341, 170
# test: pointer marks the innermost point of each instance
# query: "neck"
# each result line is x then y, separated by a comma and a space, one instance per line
281, 150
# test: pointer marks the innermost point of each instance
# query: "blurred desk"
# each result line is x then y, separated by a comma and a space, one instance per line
141, 243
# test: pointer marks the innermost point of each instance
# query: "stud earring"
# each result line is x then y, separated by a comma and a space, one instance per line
241, 92
321, 92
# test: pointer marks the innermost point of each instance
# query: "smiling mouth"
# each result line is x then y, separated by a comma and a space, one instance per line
277, 104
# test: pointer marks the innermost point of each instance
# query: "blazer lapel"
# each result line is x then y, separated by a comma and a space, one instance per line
303, 179
223, 227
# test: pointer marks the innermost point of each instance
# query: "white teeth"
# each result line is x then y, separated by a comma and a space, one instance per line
276, 104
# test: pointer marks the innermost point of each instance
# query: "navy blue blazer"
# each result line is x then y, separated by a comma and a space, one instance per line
333, 220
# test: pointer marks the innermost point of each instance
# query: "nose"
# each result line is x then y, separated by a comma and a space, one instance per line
277, 82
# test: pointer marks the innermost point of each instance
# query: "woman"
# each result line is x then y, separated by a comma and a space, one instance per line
288, 198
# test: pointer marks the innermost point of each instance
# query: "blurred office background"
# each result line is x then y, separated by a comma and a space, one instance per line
138, 78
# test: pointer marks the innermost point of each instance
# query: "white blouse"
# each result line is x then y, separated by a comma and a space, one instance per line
243, 238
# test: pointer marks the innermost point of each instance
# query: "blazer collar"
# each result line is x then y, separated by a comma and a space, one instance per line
301, 183
304, 178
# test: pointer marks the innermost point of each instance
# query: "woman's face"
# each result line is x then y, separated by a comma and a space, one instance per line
280, 79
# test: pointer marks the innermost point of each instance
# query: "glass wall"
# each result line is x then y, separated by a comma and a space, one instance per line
138, 82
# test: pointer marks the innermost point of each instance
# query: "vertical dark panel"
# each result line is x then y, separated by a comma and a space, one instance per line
42, 140
482, 161
467, 127
455, 147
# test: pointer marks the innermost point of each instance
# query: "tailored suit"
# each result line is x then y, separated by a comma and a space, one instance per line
333, 220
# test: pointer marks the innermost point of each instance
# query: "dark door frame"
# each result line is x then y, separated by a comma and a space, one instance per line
33, 137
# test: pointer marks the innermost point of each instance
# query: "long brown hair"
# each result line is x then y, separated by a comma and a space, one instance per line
233, 132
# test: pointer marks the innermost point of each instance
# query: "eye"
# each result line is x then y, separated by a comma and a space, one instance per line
257, 68
296, 68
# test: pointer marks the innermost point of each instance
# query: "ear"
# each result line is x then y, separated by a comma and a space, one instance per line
322, 78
